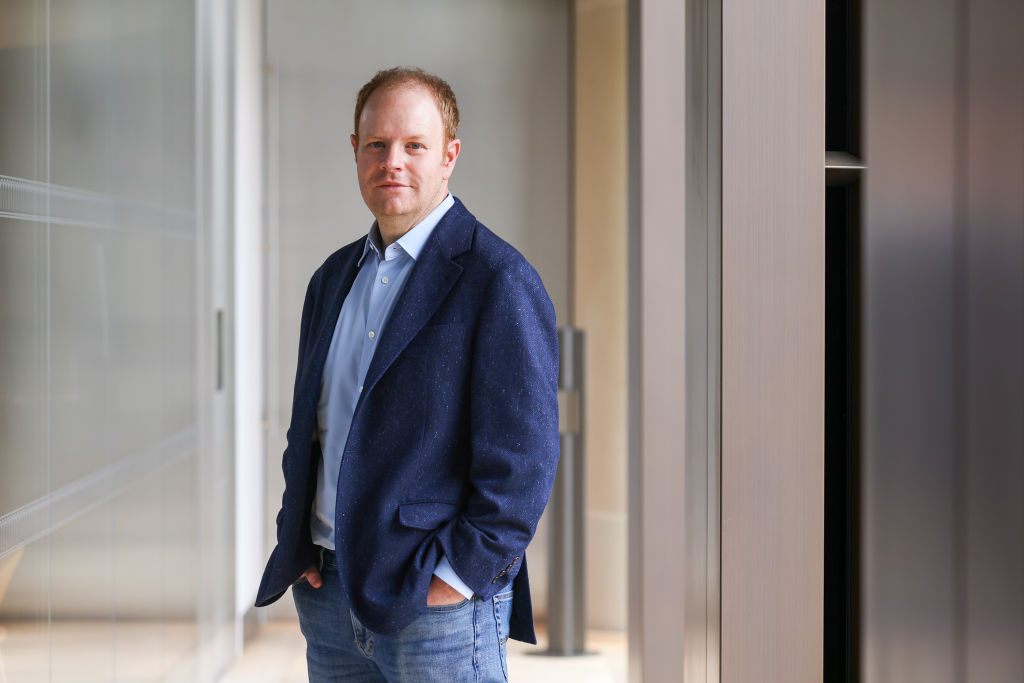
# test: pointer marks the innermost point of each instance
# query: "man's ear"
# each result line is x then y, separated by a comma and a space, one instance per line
451, 155
354, 140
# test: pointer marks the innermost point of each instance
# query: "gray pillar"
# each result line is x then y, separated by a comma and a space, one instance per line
567, 618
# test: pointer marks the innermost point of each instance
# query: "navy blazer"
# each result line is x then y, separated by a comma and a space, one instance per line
454, 440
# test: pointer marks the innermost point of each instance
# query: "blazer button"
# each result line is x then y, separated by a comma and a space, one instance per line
506, 570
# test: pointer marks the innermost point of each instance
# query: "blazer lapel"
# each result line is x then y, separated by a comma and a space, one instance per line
429, 283
338, 283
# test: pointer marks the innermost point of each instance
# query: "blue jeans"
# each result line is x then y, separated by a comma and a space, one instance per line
464, 641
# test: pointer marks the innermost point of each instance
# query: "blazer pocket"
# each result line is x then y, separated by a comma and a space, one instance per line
427, 515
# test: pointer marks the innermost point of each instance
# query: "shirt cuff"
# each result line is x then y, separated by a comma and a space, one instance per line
445, 572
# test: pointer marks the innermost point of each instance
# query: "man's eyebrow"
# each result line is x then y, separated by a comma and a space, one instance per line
414, 136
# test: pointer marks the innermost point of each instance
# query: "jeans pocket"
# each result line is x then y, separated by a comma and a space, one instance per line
502, 615
451, 607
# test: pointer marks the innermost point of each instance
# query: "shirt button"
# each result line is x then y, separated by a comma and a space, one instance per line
360, 388
384, 280
372, 334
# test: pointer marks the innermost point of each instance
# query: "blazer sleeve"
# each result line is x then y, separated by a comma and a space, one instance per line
513, 430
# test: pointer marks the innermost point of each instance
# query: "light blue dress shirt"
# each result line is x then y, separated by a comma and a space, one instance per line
364, 313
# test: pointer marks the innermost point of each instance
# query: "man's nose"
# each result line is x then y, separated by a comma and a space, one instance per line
393, 158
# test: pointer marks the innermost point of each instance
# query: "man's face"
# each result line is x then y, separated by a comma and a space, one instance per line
402, 160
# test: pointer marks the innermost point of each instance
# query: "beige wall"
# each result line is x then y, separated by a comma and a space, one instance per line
600, 288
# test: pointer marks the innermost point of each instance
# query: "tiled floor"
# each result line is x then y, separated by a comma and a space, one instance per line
277, 655
91, 651
158, 652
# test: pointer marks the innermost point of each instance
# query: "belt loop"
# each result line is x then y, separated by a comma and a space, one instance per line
320, 566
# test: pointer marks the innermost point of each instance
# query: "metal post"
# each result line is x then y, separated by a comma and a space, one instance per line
566, 604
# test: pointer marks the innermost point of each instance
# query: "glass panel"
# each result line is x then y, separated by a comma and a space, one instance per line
23, 84
24, 613
138, 599
98, 357
23, 469
82, 593
136, 114
137, 335
178, 576
178, 330
83, 82
82, 355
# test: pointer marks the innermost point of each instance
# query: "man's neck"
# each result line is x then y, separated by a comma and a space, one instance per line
393, 227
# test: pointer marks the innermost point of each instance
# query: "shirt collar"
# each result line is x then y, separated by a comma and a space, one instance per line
413, 240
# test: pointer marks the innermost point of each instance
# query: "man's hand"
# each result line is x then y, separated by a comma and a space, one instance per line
313, 577
440, 593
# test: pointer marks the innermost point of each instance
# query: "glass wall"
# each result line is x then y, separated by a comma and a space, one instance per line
99, 311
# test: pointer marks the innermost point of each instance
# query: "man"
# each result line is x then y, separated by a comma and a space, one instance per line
424, 434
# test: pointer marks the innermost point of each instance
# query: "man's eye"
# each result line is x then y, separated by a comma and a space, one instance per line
377, 145
416, 145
